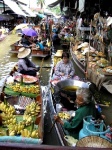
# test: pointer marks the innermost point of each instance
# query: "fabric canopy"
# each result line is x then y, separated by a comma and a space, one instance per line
41, 15
28, 10
14, 6
55, 3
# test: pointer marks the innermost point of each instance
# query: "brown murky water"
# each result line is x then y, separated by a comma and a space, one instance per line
8, 60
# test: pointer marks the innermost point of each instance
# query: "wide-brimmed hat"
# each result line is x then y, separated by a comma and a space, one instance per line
109, 21
59, 53
23, 52
85, 44
96, 16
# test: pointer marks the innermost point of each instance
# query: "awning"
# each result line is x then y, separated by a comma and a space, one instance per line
28, 10
41, 15
55, 3
14, 6
81, 5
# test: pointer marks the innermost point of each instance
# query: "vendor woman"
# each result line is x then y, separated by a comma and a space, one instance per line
85, 108
64, 68
25, 66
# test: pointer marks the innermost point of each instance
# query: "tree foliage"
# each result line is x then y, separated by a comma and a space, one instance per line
55, 9
41, 3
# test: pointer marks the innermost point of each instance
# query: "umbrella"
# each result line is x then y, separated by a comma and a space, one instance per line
21, 26
29, 32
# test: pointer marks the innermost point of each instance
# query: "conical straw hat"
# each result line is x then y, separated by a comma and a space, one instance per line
23, 52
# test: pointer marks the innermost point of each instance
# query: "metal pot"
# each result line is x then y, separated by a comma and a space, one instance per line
69, 82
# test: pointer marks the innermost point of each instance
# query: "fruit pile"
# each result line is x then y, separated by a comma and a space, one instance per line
56, 60
35, 89
64, 115
25, 127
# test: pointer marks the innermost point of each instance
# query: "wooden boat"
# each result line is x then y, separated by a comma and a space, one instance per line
25, 116
40, 53
54, 100
15, 47
35, 52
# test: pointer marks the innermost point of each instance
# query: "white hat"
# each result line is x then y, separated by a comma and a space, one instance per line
23, 52
109, 21
59, 53
85, 44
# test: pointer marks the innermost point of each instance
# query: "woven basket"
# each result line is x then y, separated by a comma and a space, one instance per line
93, 141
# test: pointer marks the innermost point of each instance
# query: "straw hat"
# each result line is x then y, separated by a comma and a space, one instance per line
23, 52
85, 44
59, 53
96, 16
109, 21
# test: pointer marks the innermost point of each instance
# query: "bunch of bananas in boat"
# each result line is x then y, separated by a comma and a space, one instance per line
35, 89
28, 120
7, 114
32, 109
64, 115
56, 60
19, 129
27, 133
16, 129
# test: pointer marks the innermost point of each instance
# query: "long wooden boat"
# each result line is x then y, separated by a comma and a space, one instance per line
35, 52
21, 117
15, 47
40, 53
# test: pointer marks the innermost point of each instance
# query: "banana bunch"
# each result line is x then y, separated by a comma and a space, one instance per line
27, 120
32, 109
8, 119
16, 129
27, 133
6, 108
56, 60
34, 134
64, 115
35, 89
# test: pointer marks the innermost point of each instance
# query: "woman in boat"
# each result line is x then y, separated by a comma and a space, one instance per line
85, 108
26, 41
25, 66
64, 68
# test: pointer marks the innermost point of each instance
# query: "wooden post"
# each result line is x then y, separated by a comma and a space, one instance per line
87, 60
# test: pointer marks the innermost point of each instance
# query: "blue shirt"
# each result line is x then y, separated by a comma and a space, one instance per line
40, 46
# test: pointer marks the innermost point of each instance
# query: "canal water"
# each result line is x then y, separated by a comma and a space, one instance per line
8, 60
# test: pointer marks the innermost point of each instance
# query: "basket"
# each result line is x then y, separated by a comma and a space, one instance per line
93, 141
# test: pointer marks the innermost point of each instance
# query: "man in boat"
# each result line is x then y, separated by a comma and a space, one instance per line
25, 66
86, 107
